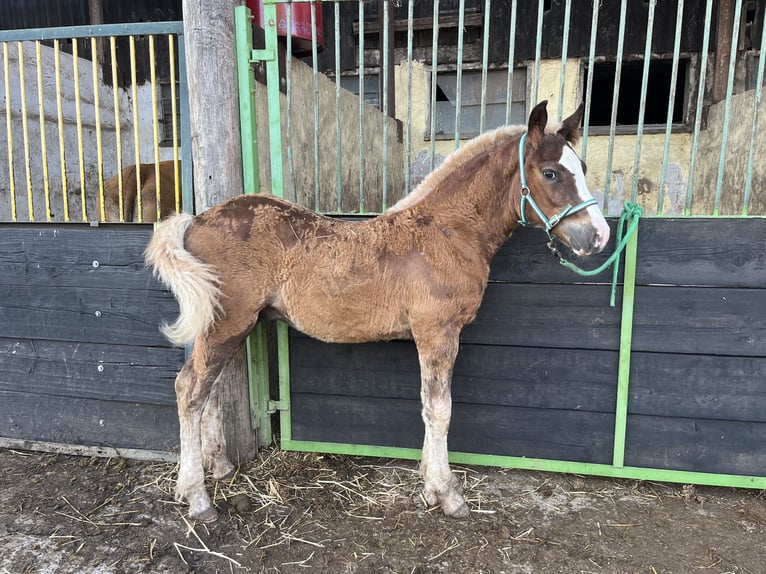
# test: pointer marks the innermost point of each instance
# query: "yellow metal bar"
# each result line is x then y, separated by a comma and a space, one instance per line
136, 138
25, 131
99, 142
80, 153
176, 171
60, 119
155, 124
43, 138
9, 129
117, 133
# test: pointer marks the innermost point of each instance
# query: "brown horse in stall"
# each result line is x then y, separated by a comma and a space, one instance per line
416, 272
148, 184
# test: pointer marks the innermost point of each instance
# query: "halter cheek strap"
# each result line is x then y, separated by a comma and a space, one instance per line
527, 199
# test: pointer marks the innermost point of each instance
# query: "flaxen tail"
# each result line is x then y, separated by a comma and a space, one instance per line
194, 283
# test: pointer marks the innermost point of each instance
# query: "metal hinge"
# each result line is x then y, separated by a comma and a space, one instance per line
276, 406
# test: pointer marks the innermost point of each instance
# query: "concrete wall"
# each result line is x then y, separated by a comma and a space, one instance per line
299, 175
89, 139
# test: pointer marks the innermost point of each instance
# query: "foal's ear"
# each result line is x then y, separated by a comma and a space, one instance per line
538, 119
570, 127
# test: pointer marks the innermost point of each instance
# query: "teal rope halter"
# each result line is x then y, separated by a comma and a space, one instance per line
630, 211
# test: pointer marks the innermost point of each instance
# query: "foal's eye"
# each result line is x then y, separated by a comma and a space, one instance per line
549, 174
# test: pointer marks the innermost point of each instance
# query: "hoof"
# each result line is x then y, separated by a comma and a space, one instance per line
208, 515
455, 507
224, 472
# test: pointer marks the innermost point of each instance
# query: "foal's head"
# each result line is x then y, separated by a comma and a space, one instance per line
554, 193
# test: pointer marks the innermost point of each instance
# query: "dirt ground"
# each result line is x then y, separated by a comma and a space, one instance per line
293, 512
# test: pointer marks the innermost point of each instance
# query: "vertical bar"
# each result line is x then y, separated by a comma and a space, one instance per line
671, 106
434, 64
43, 135
289, 97
642, 105
9, 129
25, 132
243, 36
338, 143
361, 106
408, 123
538, 50
283, 357
97, 110
589, 81
485, 67
702, 65
386, 80
273, 99
117, 134
511, 61
60, 124
78, 112
155, 124
754, 126
315, 73
626, 339
258, 371
615, 98
136, 138
174, 122
459, 75
727, 108
564, 48
187, 186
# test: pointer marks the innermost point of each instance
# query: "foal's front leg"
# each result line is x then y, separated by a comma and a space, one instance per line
437, 357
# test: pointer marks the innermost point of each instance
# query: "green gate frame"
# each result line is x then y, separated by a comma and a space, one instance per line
263, 406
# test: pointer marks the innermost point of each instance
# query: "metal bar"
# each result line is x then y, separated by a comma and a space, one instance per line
589, 80
564, 48
155, 126
615, 99
384, 70
671, 106
511, 61
700, 101
25, 132
642, 104
283, 366
434, 64
408, 123
43, 135
273, 99
174, 123
97, 110
459, 76
78, 112
9, 129
484, 67
525, 463
538, 50
99, 30
361, 106
136, 138
315, 73
754, 126
187, 187
338, 139
289, 103
626, 339
727, 108
243, 38
258, 371
117, 134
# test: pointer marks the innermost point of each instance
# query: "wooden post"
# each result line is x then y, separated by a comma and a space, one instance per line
217, 161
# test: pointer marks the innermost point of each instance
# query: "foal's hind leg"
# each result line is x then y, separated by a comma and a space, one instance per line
214, 454
437, 350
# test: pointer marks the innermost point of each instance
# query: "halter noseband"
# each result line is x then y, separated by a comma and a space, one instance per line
526, 198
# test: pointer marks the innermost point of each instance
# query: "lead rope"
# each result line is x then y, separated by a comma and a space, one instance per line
630, 211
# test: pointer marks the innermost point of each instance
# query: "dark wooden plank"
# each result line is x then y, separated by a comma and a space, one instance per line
544, 433
74, 255
703, 321
128, 317
716, 252
698, 386
67, 420
90, 370
560, 316
491, 375
727, 447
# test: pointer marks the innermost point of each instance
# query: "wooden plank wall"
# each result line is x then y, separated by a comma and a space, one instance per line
537, 371
82, 361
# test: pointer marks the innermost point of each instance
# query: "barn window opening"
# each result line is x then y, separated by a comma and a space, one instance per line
496, 100
629, 98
